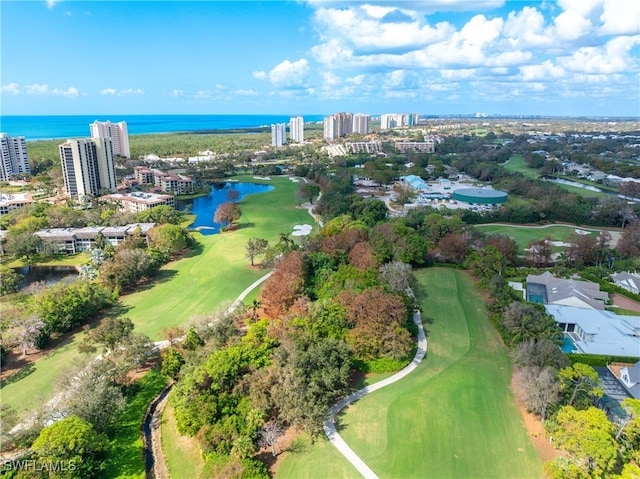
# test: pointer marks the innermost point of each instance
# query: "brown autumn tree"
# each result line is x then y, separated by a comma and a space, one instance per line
363, 257
453, 247
582, 249
539, 252
233, 195
226, 213
342, 242
629, 243
506, 245
379, 319
284, 286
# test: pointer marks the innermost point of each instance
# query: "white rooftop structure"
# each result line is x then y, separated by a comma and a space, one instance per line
415, 182
599, 332
628, 281
630, 377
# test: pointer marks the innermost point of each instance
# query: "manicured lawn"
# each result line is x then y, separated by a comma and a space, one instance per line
182, 453
124, 457
582, 191
517, 164
525, 234
318, 459
34, 384
454, 416
205, 280
217, 272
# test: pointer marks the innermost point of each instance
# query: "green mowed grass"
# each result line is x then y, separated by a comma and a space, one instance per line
523, 235
516, 164
454, 416
206, 280
35, 383
318, 459
209, 279
125, 458
583, 191
182, 453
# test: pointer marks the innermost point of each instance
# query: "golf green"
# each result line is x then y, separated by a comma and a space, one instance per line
455, 415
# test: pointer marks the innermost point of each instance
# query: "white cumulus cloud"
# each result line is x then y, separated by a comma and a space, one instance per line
131, 91
12, 88
260, 75
108, 91
620, 17
43, 89
290, 74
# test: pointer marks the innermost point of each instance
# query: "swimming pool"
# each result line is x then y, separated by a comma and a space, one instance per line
568, 346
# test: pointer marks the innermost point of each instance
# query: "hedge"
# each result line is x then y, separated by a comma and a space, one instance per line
600, 359
610, 287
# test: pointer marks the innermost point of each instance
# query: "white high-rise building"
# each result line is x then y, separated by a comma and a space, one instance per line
393, 120
278, 134
117, 132
329, 128
14, 159
296, 129
88, 167
337, 125
361, 123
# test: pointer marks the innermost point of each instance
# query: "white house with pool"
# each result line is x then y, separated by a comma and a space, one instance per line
593, 331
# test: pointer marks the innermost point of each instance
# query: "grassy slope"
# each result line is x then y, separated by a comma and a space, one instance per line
582, 191
453, 417
516, 164
318, 459
196, 284
182, 454
524, 235
125, 458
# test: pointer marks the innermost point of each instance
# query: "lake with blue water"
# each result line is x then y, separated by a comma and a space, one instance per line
205, 206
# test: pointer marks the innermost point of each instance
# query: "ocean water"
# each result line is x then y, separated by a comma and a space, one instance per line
77, 126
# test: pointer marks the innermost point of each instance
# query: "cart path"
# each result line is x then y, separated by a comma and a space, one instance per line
329, 423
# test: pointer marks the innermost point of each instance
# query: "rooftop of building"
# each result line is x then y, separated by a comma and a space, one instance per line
559, 289
13, 198
610, 334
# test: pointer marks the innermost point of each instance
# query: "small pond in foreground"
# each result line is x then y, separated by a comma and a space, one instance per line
205, 206
49, 275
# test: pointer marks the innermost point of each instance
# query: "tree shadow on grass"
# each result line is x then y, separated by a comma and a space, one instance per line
118, 310
23, 373
163, 276
195, 249
419, 291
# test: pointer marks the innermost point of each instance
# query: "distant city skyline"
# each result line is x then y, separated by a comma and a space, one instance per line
434, 57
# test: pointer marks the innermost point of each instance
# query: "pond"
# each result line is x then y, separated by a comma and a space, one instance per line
573, 183
49, 275
205, 206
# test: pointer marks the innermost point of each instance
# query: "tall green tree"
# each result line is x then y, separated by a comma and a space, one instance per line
580, 383
310, 190
75, 443
255, 247
587, 436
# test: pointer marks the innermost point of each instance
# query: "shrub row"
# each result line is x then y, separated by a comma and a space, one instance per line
600, 359
609, 287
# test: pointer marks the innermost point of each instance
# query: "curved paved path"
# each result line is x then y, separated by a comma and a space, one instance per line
329, 423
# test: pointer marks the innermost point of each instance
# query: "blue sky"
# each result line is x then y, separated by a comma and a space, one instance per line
565, 57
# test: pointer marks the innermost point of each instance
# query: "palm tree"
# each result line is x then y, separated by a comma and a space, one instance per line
255, 304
